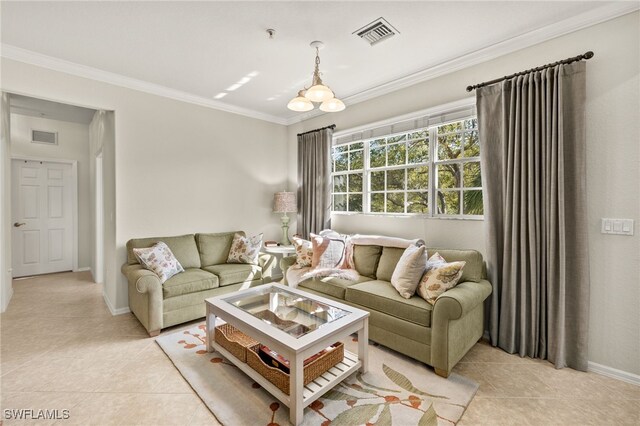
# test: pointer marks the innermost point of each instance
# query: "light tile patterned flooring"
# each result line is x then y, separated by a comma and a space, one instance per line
62, 349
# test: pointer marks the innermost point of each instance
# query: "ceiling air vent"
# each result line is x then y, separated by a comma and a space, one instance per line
42, 136
376, 31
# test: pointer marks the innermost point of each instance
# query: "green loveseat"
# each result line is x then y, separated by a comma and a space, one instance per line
438, 335
206, 274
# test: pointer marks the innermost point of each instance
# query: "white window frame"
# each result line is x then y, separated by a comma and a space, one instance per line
432, 163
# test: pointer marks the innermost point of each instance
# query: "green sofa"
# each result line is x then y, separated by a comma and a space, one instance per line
181, 297
438, 335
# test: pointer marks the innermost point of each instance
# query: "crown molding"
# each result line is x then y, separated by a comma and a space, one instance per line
33, 58
531, 38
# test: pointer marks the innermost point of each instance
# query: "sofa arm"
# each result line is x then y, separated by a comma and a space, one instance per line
457, 302
457, 324
142, 279
145, 296
267, 263
286, 263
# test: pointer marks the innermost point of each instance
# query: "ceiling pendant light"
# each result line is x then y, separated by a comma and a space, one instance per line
318, 92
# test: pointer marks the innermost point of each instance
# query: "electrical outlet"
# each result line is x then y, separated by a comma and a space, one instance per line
617, 226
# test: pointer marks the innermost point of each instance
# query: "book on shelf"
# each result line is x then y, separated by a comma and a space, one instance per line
274, 359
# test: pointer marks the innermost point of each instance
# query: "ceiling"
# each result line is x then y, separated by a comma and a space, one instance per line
203, 48
25, 105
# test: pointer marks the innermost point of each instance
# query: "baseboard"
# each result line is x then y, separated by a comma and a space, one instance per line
614, 373
83, 269
113, 310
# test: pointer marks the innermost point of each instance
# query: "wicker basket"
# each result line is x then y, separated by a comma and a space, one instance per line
312, 371
234, 341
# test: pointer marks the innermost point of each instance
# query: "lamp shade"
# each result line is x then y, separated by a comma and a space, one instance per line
332, 105
300, 103
284, 202
318, 93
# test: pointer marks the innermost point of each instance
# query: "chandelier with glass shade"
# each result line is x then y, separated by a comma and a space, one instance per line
318, 92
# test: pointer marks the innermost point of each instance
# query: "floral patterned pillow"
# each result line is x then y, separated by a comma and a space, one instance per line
304, 252
245, 249
160, 260
439, 277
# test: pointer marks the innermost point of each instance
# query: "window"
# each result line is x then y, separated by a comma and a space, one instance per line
395, 174
457, 169
347, 176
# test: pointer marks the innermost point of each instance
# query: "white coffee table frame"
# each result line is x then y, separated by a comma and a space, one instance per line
296, 350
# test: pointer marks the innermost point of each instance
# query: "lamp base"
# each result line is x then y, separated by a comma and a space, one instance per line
285, 230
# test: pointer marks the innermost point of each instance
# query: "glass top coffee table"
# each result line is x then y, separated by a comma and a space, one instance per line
297, 325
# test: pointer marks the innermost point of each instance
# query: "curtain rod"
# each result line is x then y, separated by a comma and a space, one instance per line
587, 55
332, 126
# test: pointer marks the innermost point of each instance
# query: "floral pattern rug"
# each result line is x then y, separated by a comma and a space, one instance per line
396, 390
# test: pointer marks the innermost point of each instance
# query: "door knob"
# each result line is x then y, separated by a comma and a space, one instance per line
17, 225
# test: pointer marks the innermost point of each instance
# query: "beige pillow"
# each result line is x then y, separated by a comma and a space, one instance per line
245, 249
439, 277
328, 252
410, 267
160, 260
304, 252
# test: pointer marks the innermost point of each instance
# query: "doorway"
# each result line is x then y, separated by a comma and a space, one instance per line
44, 216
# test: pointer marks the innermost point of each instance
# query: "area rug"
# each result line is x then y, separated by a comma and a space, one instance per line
396, 390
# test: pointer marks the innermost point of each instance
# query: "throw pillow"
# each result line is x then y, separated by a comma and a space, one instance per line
410, 267
328, 252
304, 252
245, 249
160, 260
439, 277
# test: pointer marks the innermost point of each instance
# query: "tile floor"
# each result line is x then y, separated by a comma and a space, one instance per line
62, 349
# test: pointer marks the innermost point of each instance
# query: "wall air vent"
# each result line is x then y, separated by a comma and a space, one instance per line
376, 31
45, 137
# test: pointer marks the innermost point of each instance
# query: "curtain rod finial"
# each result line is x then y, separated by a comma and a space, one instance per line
588, 55
469, 88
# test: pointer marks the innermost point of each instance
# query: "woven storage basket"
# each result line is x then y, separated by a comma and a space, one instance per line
312, 371
234, 341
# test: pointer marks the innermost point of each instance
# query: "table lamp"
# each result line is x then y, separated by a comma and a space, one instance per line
285, 202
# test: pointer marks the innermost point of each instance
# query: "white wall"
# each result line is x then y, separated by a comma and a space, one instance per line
179, 168
73, 144
613, 134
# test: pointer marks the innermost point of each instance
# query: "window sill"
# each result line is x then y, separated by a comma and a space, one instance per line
409, 216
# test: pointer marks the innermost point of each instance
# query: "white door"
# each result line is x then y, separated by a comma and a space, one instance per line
42, 213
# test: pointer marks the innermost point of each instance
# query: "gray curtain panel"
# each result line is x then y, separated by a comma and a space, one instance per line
314, 181
533, 170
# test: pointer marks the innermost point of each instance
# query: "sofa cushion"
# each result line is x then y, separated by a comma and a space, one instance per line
381, 296
245, 249
189, 281
334, 287
214, 248
233, 273
409, 270
388, 261
183, 248
474, 267
365, 260
160, 260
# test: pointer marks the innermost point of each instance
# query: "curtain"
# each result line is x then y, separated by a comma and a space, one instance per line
533, 169
314, 181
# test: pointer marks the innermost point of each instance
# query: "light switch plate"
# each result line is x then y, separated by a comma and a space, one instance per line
617, 226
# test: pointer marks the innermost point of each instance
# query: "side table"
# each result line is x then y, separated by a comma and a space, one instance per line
279, 252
